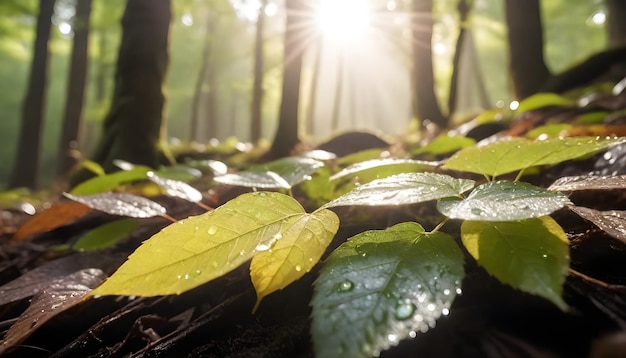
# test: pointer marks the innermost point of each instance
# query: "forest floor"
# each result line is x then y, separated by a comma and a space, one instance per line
489, 319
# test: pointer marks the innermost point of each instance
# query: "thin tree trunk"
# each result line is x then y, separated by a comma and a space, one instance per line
616, 26
133, 126
315, 77
101, 75
26, 166
201, 79
427, 106
464, 9
71, 131
286, 136
527, 64
257, 89
338, 99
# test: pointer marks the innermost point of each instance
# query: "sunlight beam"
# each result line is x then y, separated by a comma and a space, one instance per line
343, 21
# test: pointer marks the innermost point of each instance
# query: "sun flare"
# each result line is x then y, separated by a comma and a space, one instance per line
343, 21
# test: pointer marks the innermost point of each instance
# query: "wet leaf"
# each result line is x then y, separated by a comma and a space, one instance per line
106, 235
304, 238
215, 166
63, 294
179, 172
613, 222
120, 204
51, 218
516, 154
589, 182
503, 201
401, 189
530, 255
34, 281
280, 174
176, 188
542, 100
380, 168
109, 182
383, 286
201, 248
444, 144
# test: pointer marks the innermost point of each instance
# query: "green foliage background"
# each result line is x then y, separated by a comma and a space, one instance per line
569, 35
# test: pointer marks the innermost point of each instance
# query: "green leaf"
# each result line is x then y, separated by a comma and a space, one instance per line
176, 188
401, 189
520, 153
444, 144
304, 238
503, 201
105, 235
120, 204
93, 167
542, 100
552, 130
201, 248
283, 173
383, 286
530, 255
380, 168
589, 182
110, 182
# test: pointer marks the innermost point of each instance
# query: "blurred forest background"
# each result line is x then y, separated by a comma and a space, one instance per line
358, 82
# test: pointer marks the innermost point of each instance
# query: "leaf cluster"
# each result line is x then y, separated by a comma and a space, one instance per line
380, 286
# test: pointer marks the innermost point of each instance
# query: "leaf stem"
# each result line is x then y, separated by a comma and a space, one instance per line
441, 224
588, 278
165, 216
519, 175
204, 206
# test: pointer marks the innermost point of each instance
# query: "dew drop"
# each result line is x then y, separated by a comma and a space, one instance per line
179, 277
242, 252
430, 307
476, 211
212, 230
404, 310
186, 276
345, 286
412, 334
459, 291
392, 338
445, 311
262, 194
277, 236
263, 247
298, 268
446, 292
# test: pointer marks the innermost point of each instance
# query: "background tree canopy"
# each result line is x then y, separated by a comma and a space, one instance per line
363, 83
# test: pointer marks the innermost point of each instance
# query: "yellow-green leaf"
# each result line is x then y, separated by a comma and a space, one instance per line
304, 239
520, 153
201, 248
530, 255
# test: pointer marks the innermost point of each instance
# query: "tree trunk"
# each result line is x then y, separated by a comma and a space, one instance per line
26, 166
315, 78
257, 90
286, 136
133, 127
527, 64
464, 9
70, 135
616, 26
426, 104
201, 79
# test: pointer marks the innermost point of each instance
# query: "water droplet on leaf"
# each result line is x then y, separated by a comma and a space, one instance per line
345, 286
212, 230
404, 310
